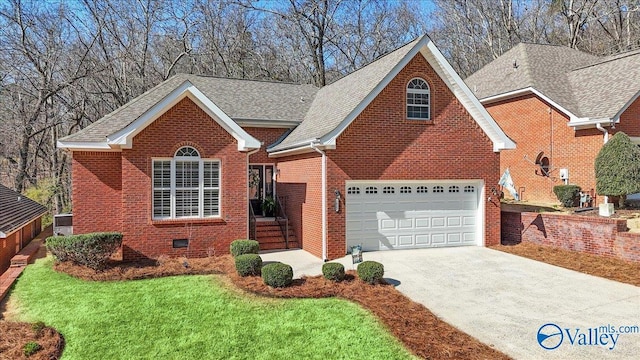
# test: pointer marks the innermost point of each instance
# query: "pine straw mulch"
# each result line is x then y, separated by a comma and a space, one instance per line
416, 327
16, 334
609, 268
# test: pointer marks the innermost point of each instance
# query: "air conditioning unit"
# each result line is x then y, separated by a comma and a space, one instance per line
564, 174
63, 224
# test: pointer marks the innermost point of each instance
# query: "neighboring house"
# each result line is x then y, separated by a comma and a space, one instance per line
398, 154
559, 106
20, 221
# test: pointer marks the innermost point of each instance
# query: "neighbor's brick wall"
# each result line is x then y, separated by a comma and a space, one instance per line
184, 124
267, 136
10, 246
381, 144
527, 121
96, 191
598, 236
300, 182
630, 120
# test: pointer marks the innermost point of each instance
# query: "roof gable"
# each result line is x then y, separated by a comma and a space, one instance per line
123, 137
338, 104
16, 211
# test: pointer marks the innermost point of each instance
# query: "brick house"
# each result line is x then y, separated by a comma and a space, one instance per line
20, 222
398, 154
559, 105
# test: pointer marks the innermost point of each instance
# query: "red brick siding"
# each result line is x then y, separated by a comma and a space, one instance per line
605, 237
112, 191
267, 136
184, 124
381, 144
300, 182
630, 120
528, 122
97, 191
10, 245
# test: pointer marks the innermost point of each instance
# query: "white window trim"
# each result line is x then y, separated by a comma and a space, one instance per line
418, 91
201, 187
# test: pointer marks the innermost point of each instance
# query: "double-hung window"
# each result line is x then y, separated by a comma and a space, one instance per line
186, 186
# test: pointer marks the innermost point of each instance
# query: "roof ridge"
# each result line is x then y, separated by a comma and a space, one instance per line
609, 59
241, 79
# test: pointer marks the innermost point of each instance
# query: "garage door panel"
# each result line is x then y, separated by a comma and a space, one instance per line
422, 214
437, 222
423, 239
422, 223
454, 221
387, 224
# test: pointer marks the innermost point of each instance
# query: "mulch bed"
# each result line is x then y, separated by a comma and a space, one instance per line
609, 268
419, 329
16, 334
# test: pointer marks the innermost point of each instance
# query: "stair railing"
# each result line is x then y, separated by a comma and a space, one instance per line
282, 219
252, 223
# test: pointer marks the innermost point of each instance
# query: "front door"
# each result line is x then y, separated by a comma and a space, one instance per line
261, 185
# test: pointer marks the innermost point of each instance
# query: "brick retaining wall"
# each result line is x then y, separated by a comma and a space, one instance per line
598, 236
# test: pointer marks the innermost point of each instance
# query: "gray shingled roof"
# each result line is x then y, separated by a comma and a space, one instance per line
17, 210
588, 86
604, 88
336, 101
238, 98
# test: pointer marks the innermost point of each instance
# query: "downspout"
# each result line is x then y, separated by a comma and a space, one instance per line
324, 200
606, 138
247, 183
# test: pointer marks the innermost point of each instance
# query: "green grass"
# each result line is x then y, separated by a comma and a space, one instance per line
194, 317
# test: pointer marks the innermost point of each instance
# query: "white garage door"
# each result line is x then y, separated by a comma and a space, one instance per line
396, 215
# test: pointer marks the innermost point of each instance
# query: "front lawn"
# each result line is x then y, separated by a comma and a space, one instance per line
194, 317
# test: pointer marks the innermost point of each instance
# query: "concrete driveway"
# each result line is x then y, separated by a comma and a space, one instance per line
504, 300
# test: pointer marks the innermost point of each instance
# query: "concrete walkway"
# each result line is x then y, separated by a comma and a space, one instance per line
503, 300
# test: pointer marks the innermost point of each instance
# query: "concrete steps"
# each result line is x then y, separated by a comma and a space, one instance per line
270, 236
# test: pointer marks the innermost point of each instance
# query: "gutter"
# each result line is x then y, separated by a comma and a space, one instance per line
606, 138
324, 199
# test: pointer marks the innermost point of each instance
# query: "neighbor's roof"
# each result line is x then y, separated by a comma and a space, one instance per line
586, 86
16, 210
240, 99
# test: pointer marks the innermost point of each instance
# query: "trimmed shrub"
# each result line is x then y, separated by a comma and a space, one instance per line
371, 272
568, 195
241, 247
333, 271
277, 275
617, 168
31, 348
92, 250
248, 264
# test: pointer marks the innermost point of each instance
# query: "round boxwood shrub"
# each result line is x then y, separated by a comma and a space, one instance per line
241, 247
277, 275
371, 272
248, 264
92, 250
333, 271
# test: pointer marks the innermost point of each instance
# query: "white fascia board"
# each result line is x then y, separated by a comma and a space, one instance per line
586, 123
301, 149
3, 235
499, 139
330, 138
85, 146
124, 137
529, 90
